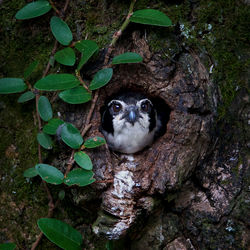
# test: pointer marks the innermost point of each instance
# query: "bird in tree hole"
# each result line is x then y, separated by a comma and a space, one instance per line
130, 121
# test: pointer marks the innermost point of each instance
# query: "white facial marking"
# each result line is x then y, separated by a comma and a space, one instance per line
124, 105
138, 104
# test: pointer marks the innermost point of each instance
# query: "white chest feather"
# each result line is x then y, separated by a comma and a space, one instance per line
128, 138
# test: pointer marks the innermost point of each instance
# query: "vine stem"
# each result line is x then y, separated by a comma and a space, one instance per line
37, 99
66, 5
51, 204
81, 81
124, 25
88, 124
54, 8
84, 130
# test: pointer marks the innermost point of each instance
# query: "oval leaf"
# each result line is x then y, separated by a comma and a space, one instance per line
44, 140
27, 96
12, 85
76, 95
44, 108
60, 233
30, 172
66, 56
7, 246
33, 9
83, 160
101, 78
71, 136
152, 17
49, 173
128, 57
61, 30
87, 48
30, 69
94, 142
57, 82
79, 177
52, 126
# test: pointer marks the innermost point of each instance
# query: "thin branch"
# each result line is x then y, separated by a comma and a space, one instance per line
66, 5
50, 214
70, 163
36, 243
84, 130
87, 125
124, 25
37, 99
91, 110
54, 8
39, 127
51, 54
81, 81
37, 113
51, 204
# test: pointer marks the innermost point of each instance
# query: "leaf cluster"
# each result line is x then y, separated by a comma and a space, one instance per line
72, 89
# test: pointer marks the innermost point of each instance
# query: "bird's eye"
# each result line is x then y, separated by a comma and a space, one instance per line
145, 106
116, 107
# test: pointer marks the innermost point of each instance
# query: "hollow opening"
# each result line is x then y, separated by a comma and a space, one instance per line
132, 120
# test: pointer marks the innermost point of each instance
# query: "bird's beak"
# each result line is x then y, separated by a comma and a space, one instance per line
132, 114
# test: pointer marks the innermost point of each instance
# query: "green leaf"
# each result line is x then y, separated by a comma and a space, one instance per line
60, 233
101, 78
44, 140
27, 96
128, 57
71, 136
30, 172
52, 126
12, 85
76, 95
44, 108
83, 160
57, 82
61, 30
61, 195
49, 173
79, 177
30, 69
94, 142
151, 17
66, 56
33, 9
7, 246
87, 48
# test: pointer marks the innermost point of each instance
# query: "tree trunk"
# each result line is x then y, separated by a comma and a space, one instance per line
189, 190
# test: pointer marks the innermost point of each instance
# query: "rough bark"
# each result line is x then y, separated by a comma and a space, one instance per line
189, 190
172, 158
